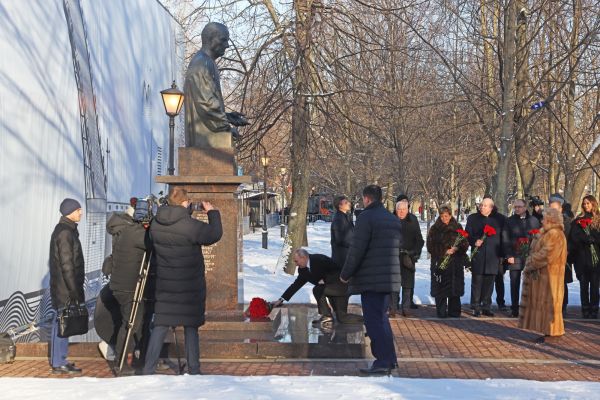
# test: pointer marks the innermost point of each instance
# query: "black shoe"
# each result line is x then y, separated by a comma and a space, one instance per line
323, 320
502, 307
414, 306
540, 340
514, 314
476, 313
66, 369
375, 371
487, 313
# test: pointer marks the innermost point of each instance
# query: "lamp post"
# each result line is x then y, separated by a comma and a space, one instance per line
264, 160
173, 100
282, 222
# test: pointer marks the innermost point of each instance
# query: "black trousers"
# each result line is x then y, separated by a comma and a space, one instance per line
322, 305
515, 289
448, 306
499, 284
589, 282
378, 327
192, 349
482, 287
125, 300
407, 299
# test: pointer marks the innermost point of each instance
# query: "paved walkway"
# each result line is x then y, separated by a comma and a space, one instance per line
427, 347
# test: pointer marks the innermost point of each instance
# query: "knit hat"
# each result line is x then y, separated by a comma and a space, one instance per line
68, 206
557, 198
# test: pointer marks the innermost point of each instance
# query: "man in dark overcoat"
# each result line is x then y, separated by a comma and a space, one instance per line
517, 227
67, 276
177, 240
411, 248
341, 230
372, 269
485, 263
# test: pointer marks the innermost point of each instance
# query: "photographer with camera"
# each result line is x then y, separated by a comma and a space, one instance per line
130, 242
537, 207
177, 240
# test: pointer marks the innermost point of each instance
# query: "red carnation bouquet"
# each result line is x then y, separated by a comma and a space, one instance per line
462, 235
487, 231
523, 244
585, 225
258, 308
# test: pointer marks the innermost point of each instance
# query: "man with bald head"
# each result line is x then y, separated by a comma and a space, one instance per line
206, 122
485, 264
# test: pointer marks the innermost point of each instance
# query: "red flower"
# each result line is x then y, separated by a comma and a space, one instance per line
522, 241
534, 232
258, 308
584, 222
489, 230
463, 233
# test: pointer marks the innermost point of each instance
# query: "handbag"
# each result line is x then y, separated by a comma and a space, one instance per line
72, 320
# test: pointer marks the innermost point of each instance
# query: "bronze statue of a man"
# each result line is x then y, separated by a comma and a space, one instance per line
206, 122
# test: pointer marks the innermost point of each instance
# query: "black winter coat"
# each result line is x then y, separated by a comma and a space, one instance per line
515, 228
488, 257
449, 282
130, 242
180, 281
373, 262
341, 237
580, 246
67, 268
320, 268
412, 245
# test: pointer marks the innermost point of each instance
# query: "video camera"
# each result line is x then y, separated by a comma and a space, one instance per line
535, 201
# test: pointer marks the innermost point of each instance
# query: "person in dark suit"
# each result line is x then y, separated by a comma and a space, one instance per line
322, 272
485, 264
341, 230
372, 269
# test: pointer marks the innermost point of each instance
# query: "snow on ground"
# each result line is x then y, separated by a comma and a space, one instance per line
261, 279
290, 388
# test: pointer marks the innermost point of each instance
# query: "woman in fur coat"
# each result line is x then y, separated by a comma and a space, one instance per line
447, 285
543, 286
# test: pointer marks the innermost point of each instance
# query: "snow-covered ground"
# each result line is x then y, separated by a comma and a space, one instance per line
262, 279
289, 388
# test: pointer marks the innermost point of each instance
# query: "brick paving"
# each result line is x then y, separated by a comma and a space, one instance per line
471, 348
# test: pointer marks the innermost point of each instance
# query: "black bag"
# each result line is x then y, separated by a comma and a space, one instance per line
72, 320
8, 350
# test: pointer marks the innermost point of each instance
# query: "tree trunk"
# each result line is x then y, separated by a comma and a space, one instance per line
508, 104
301, 125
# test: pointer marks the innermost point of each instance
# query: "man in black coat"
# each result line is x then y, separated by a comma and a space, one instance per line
410, 251
130, 242
322, 272
485, 264
180, 281
67, 275
341, 230
372, 269
517, 227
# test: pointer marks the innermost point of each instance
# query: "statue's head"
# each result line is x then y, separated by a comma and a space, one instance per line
215, 39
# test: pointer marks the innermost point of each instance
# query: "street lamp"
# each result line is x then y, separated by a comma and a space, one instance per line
264, 160
282, 222
173, 100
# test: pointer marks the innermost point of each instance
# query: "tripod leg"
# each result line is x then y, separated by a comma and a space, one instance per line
137, 298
